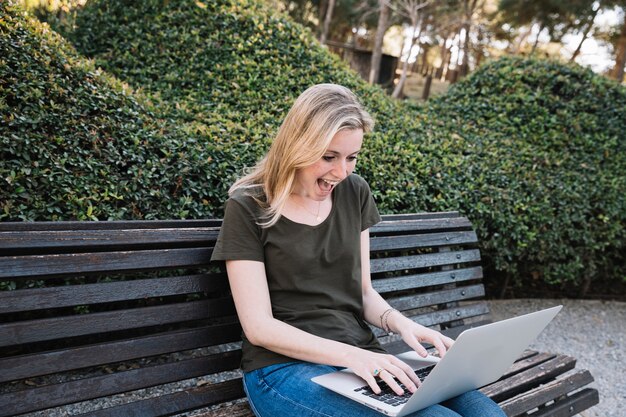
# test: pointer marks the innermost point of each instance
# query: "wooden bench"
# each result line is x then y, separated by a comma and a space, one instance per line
134, 308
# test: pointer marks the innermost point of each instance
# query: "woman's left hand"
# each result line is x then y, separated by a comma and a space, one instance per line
415, 334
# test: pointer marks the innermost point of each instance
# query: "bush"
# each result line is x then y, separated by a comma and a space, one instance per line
541, 154
530, 150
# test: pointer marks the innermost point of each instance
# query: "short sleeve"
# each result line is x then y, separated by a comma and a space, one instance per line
240, 236
369, 211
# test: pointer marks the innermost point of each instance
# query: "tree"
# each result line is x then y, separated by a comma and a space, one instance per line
411, 10
381, 29
330, 7
620, 54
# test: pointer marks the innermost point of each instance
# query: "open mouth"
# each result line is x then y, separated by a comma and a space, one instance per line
326, 185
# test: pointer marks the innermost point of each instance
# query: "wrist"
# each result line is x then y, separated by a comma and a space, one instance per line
396, 322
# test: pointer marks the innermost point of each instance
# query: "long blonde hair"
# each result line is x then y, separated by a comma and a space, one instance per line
304, 136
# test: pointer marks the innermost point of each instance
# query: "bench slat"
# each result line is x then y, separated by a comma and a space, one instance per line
572, 405
67, 296
398, 226
546, 393
421, 216
239, 409
84, 240
528, 362
389, 243
424, 260
85, 389
168, 404
385, 285
528, 379
86, 324
409, 302
445, 316
107, 225
33, 365
42, 266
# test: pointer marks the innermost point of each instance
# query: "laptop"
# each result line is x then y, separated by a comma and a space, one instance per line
478, 357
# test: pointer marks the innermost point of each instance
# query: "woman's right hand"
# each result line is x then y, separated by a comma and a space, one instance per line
391, 370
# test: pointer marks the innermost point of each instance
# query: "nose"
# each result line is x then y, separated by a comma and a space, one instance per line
341, 170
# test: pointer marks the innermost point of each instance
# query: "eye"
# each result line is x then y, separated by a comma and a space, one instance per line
328, 158
352, 158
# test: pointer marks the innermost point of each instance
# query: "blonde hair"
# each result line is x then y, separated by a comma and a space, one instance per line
304, 136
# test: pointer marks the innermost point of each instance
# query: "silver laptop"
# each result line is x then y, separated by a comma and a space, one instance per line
478, 357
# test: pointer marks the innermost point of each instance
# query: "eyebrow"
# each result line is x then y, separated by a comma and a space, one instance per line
338, 153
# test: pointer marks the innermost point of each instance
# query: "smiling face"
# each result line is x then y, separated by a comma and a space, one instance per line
317, 181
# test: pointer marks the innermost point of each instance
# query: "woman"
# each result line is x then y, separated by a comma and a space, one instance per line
296, 244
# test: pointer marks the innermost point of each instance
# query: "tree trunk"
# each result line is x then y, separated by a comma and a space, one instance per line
405, 67
377, 53
620, 56
532, 51
585, 33
327, 19
444, 51
520, 41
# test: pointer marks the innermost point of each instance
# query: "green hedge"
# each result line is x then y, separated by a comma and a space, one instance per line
538, 161
530, 150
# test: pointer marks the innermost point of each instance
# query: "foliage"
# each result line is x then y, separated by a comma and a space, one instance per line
531, 151
538, 162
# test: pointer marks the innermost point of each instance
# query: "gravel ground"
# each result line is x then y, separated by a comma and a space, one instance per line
592, 331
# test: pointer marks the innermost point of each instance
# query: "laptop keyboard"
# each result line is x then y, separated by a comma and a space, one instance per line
388, 396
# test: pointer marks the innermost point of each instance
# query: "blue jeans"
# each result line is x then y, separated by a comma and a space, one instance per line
286, 390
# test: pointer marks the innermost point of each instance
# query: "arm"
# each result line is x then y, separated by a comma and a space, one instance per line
251, 295
374, 306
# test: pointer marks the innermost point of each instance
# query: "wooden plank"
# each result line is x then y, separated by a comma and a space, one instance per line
168, 224
239, 409
421, 216
101, 262
31, 331
389, 227
571, 405
413, 281
86, 389
528, 379
107, 225
528, 362
178, 402
32, 365
427, 240
445, 316
99, 239
424, 260
544, 394
412, 301
85, 294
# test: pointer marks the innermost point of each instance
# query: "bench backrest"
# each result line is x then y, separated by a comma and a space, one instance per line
113, 307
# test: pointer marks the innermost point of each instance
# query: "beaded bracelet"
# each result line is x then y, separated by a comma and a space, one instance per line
384, 318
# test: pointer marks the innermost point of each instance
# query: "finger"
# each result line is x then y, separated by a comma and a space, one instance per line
417, 347
388, 377
405, 375
440, 346
448, 341
371, 381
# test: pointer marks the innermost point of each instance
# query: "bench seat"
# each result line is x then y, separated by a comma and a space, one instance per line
136, 308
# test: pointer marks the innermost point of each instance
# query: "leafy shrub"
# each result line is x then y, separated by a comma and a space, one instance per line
541, 154
530, 150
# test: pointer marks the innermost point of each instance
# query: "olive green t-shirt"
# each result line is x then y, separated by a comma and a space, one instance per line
313, 272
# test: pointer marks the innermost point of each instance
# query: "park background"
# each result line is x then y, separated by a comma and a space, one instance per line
149, 109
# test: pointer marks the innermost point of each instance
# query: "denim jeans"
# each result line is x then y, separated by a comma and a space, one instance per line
287, 390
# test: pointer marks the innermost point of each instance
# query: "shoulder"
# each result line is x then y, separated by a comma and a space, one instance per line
247, 199
356, 184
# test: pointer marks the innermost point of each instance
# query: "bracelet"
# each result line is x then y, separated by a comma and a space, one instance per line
384, 320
